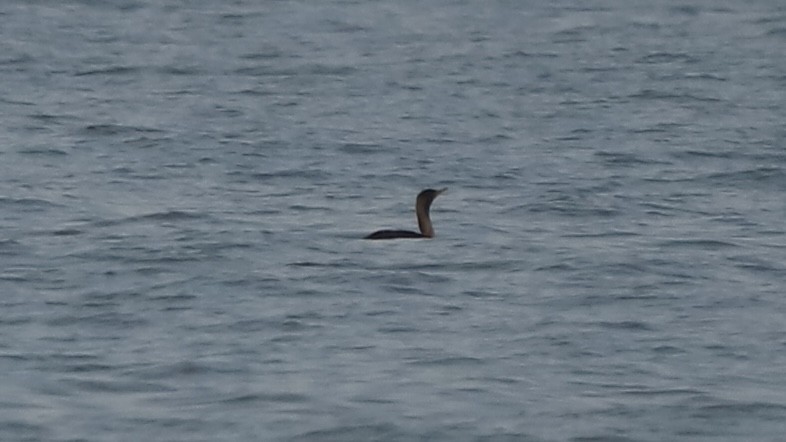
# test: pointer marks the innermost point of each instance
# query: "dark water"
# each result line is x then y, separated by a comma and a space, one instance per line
183, 186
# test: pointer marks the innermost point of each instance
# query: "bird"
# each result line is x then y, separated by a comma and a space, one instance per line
422, 206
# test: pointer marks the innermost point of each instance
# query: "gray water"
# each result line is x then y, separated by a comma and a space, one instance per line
184, 186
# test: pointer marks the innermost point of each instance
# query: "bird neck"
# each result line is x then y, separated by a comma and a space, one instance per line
424, 222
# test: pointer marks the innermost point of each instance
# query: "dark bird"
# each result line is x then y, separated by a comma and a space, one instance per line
422, 206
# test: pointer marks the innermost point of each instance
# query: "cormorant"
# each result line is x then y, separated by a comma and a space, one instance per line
422, 206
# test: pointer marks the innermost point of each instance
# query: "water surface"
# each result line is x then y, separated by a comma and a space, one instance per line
184, 186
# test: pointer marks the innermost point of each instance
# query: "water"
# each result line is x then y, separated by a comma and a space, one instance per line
183, 186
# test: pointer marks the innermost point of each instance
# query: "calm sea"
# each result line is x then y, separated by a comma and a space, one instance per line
184, 186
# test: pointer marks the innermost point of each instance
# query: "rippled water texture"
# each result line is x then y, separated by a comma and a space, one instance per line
184, 186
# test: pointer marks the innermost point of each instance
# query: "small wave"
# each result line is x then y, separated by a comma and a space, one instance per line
67, 232
607, 234
704, 76
268, 54
703, 154
180, 70
330, 70
366, 431
169, 215
448, 361
291, 173
145, 141
50, 151
359, 148
289, 398
14, 320
569, 210
9, 247
16, 59
777, 32
666, 57
621, 159
113, 70
576, 34
757, 265
764, 173
115, 386
519, 53
646, 391
116, 129
311, 264
652, 94
702, 244
266, 71
27, 203
48, 118
626, 325
344, 27
771, 410
668, 350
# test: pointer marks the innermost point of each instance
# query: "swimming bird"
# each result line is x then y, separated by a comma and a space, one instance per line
422, 206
